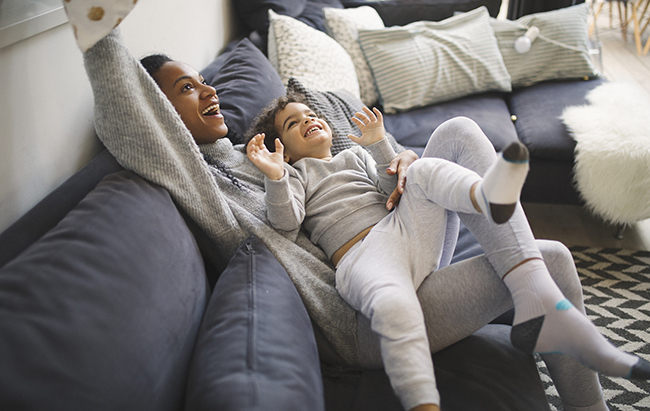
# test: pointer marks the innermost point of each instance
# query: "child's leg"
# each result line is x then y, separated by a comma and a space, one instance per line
382, 290
459, 189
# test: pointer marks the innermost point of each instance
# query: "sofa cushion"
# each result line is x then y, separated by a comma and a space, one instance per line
401, 13
482, 372
538, 109
560, 52
256, 349
102, 312
430, 62
246, 82
344, 25
412, 129
311, 56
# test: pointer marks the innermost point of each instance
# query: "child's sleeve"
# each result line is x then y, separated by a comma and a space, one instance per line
382, 155
285, 201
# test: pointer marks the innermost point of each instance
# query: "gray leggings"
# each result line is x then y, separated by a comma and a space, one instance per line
449, 314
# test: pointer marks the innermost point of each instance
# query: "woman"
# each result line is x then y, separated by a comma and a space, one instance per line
222, 191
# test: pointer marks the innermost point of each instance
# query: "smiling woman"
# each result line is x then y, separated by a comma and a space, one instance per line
194, 100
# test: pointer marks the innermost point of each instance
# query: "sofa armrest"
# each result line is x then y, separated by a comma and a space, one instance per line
400, 13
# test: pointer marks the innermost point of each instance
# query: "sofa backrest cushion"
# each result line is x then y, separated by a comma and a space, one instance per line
256, 348
102, 312
246, 82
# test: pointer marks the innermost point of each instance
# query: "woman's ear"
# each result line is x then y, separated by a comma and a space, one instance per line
287, 159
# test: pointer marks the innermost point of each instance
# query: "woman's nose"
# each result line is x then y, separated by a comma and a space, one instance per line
208, 91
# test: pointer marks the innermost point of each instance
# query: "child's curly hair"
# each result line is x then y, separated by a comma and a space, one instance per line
265, 121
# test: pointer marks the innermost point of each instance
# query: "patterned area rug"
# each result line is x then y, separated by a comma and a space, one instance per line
616, 286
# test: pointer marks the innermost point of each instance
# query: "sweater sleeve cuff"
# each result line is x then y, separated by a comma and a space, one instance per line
278, 191
382, 151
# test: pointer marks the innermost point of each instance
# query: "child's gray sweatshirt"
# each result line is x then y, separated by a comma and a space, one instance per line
140, 127
334, 199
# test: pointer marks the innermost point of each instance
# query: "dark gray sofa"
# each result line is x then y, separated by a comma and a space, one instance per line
111, 299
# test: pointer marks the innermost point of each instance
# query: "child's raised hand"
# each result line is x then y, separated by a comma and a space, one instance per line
271, 164
371, 124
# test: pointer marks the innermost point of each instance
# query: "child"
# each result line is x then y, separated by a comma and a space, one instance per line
382, 257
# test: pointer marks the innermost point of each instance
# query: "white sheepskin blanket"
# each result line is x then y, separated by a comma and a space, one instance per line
612, 158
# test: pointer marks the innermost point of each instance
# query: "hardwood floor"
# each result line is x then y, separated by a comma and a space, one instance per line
573, 225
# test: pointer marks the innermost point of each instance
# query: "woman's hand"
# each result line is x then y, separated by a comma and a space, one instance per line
271, 164
398, 166
371, 124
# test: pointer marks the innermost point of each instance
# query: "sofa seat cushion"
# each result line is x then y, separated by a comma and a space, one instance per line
256, 349
412, 129
483, 372
102, 312
538, 109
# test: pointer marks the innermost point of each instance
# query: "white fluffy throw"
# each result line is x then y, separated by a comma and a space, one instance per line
612, 158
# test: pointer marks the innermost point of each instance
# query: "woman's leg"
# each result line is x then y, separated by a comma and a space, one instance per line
508, 245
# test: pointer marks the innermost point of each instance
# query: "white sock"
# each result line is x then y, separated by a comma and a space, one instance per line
498, 193
546, 322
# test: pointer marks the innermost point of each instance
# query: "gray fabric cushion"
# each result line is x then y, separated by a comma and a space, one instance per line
538, 109
483, 372
430, 62
401, 13
412, 129
102, 312
245, 82
256, 348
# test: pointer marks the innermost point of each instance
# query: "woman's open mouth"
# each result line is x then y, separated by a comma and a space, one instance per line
211, 110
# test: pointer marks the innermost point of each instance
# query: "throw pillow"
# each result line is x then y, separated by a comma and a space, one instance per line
337, 108
256, 348
430, 62
560, 52
102, 312
311, 56
344, 25
245, 84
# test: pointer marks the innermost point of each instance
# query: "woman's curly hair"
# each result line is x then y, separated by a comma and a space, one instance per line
265, 121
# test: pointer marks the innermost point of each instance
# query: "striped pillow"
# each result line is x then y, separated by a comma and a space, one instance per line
429, 62
547, 60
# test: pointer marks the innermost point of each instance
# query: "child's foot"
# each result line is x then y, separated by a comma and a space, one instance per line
498, 193
546, 322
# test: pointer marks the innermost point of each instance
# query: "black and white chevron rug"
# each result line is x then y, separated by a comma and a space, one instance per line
616, 285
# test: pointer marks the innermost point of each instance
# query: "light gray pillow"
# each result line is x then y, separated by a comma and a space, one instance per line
343, 25
317, 60
560, 52
429, 62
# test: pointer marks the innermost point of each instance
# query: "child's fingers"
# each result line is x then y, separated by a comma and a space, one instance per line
371, 116
354, 138
380, 116
358, 122
279, 147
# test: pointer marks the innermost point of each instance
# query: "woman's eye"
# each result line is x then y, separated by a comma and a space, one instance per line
187, 86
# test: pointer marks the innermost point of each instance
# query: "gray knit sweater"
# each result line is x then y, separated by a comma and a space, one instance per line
140, 127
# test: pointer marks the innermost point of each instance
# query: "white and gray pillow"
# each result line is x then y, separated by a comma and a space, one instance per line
344, 25
560, 52
428, 62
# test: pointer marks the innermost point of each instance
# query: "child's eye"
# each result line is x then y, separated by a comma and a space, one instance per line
291, 124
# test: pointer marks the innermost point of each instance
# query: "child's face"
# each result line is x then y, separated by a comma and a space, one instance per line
303, 133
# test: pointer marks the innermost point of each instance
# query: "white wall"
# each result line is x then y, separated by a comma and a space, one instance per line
46, 129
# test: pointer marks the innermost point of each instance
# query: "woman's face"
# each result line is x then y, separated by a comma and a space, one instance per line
194, 100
